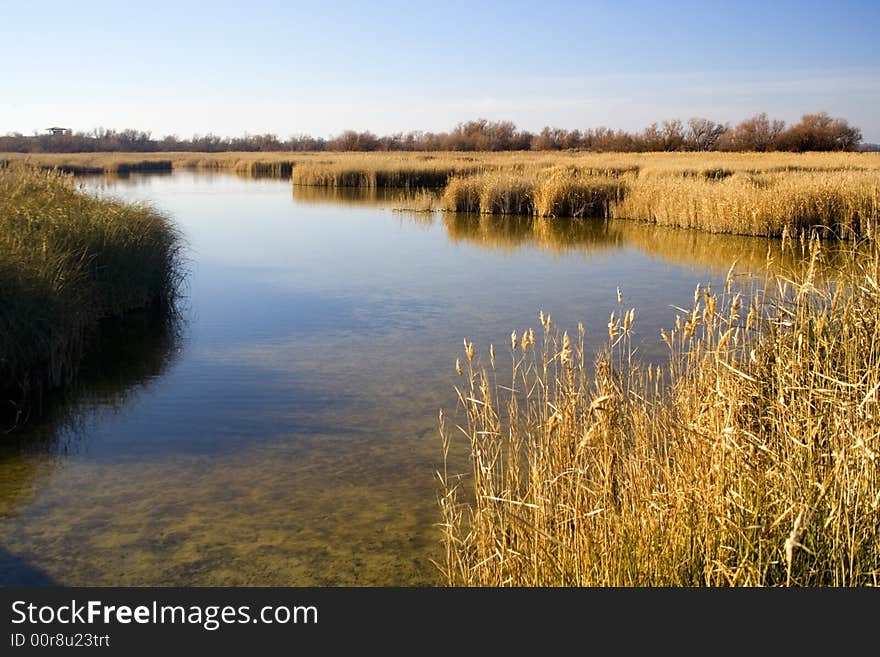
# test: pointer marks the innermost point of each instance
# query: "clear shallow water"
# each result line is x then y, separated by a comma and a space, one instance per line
286, 432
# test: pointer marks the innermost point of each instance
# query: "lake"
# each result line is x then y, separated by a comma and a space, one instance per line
284, 432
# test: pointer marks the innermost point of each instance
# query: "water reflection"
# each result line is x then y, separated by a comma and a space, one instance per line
509, 233
287, 436
126, 356
694, 249
362, 196
110, 181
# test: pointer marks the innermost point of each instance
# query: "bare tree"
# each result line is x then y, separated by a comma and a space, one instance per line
820, 132
757, 133
702, 134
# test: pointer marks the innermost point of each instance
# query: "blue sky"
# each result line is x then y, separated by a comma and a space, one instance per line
319, 68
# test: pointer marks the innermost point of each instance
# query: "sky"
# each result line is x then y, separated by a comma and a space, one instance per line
318, 68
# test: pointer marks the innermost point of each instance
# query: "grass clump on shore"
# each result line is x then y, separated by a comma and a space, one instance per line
751, 457
68, 259
96, 164
555, 192
492, 192
568, 192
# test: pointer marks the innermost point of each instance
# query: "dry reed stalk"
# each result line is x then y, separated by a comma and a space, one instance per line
749, 458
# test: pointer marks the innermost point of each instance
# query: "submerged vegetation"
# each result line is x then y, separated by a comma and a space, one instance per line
68, 259
751, 457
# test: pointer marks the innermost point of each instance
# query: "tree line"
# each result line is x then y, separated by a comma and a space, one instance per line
814, 132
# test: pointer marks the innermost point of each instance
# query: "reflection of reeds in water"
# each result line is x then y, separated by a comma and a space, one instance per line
750, 458
517, 231
682, 247
716, 252
560, 235
347, 196
412, 200
124, 355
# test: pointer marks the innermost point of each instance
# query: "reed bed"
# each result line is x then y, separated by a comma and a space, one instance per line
68, 259
602, 164
255, 164
572, 192
742, 193
462, 194
264, 169
554, 192
699, 250
380, 172
418, 201
506, 192
119, 167
844, 203
751, 457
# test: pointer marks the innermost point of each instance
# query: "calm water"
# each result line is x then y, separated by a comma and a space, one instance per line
286, 432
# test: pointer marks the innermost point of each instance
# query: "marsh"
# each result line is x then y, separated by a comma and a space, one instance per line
286, 432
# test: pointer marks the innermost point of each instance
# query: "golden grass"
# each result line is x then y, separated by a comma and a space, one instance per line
94, 164
607, 164
462, 194
845, 202
545, 192
752, 457
68, 259
248, 164
505, 192
570, 192
388, 170
419, 201
741, 193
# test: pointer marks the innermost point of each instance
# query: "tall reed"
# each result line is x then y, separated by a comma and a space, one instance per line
844, 203
570, 192
67, 259
378, 172
752, 457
